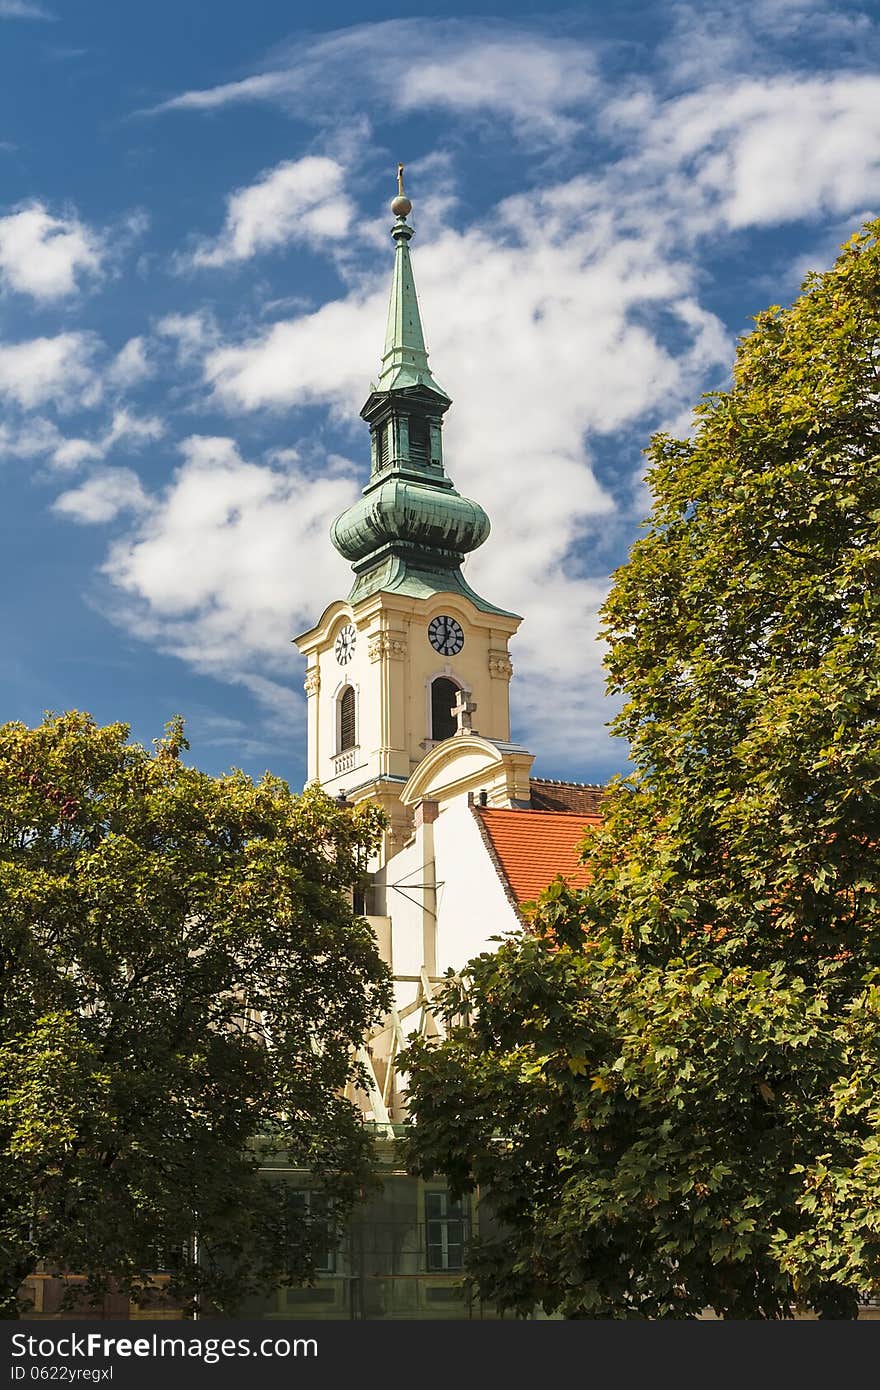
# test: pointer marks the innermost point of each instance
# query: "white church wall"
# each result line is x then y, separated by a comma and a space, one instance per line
403, 906
472, 904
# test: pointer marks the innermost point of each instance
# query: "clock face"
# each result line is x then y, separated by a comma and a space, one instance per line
345, 642
445, 635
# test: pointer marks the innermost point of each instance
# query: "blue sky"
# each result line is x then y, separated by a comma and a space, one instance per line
194, 263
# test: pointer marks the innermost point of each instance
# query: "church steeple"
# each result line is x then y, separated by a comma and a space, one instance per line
412, 640
405, 359
410, 530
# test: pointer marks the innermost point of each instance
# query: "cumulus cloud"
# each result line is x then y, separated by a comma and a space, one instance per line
38, 438
58, 371
103, 497
43, 256
70, 454
297, 201
289, 363
192, 334
752, 154
136, 430
35, 437
231, 560
130, 366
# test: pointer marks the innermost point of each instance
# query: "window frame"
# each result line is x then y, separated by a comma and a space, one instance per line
457, 688
341, 745
453, 1218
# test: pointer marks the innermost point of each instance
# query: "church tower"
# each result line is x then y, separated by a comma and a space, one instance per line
386, 665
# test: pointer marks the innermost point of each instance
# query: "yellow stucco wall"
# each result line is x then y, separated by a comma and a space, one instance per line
391, 671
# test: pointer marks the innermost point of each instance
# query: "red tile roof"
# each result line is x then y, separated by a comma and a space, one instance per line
529, 848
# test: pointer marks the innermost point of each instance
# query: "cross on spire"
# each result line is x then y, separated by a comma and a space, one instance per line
462, 711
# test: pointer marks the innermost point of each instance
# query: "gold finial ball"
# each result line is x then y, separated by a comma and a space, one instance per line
401, 205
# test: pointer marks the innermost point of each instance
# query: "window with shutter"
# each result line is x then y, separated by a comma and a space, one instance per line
346, 719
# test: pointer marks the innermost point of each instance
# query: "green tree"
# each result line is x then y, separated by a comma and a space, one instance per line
682, 1058
182, 981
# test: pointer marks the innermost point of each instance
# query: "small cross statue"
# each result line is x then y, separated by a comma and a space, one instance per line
462, 711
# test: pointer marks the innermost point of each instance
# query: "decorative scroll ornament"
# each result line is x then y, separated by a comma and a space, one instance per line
312, 682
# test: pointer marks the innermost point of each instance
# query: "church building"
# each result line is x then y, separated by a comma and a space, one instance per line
408, 681
408, 686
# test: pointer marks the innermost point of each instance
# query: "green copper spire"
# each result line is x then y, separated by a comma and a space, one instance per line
410, 530
405, 359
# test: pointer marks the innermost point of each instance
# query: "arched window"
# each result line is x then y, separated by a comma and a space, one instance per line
346, 719
443, 695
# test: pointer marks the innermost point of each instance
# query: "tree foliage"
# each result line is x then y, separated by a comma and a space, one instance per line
182, 981
669, 1094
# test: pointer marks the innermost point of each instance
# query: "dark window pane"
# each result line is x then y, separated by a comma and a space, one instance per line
315, 1211
443, 693
445, 1232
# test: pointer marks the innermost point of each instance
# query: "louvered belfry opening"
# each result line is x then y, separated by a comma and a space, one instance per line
346, 719
418, 442
383, 449
443, 695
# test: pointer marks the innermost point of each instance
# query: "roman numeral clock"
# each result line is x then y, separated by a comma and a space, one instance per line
345, 644
445, 635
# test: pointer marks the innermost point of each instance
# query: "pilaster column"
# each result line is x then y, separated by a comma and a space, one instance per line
425, 814
500, 672
312, 687
388, 650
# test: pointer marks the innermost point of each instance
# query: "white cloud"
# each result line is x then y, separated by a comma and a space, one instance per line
265, 86
135, 429
297, 201
34, 438
733, 38
231, 561
291, 362
103, 497
42, 255
472, 67
55, 370
748, 153
38, 438
23, 9
737, 151
130, 366
528, 81
69, 454
192, 334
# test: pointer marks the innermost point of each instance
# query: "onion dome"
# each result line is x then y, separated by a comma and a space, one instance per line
410, 519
